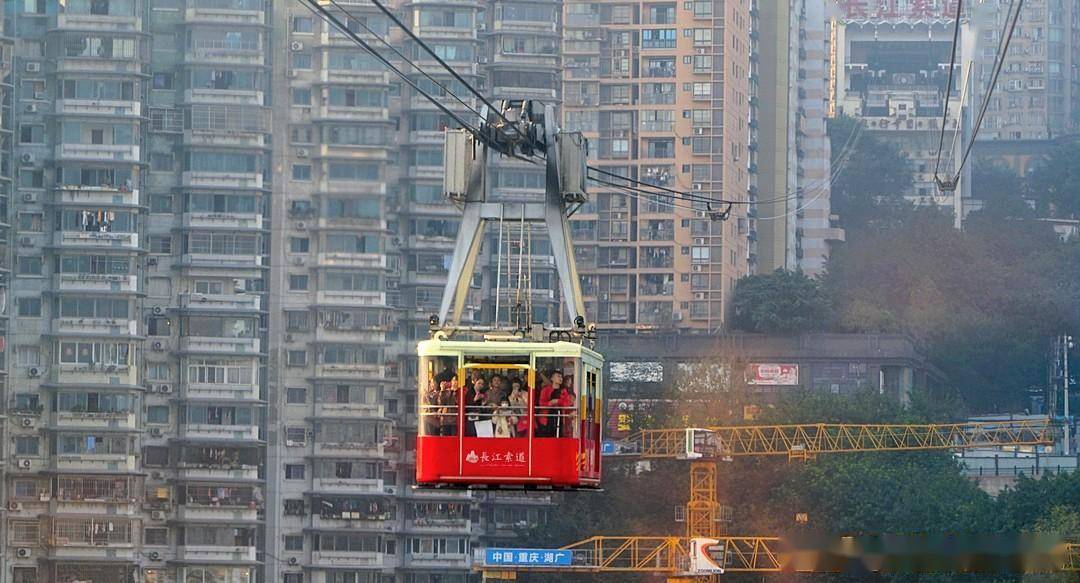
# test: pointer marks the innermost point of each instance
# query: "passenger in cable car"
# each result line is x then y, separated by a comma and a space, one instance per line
448, 402
431, 400
546, 414
504, 419
477, 410
519, 401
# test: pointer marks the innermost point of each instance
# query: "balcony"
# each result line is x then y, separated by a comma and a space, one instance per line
96, 195
98, 22
375, 152
439, 525
222, 179
424, 137
204, 431
354, 77
531, 26
89, 420
434, 561
223, 96
338, 523
351, 371
350, 298
96, 282
223, 220
214, 345
226, 513
95, 239
99, 107
218, 261
224, 138
220, 302
351, 187
95, 327
351, 410
220, 51
98, 66
98, 152
367, 335
344, 559
445, 32
349, 486
221, 392
535, 59
343, 113
94, 463
226, 12
82, 374
433, 278
362, 260
215, 554
199, 472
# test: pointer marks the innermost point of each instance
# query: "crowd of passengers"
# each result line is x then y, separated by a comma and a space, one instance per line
497, 405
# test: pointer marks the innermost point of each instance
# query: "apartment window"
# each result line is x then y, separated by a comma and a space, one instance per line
32, 178
295, 395
156, 456
162, 81
293, 578
209, 287
699, 254
294, 507
294, 542
297, 321
296, 358
28, 355
161, 244
702, 90
31, 134
295, 436
29, 307
702, 36
299, 244
32, 89
301, 24
157, 537
301, 172
658, 38
301, 95
26, 445
29, 265
31, 222
301, 60
161, 203
294, 471
160, 162
158, 414
298, 282
159, 326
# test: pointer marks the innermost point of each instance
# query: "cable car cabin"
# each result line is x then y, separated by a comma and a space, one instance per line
511, 414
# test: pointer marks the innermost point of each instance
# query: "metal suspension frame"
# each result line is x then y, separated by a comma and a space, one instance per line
564, 194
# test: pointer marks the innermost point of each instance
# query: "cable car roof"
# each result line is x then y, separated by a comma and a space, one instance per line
437, 346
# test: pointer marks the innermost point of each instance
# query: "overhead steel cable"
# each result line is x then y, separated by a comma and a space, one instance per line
679, 193
637, 194
393, 17
948, 85
328, 17
402, 56
999, 64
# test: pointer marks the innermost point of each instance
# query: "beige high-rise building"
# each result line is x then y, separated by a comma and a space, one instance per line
662, 91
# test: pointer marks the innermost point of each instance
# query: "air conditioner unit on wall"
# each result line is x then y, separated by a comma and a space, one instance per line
24, 553
33, 67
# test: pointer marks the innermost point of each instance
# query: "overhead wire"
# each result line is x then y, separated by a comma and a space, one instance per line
948, 85
393, 17
400, 55
999, 64
330, 18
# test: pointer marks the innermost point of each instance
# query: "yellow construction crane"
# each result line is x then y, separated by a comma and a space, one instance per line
675, 556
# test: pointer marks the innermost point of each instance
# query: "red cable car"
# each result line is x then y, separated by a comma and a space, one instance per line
508, 414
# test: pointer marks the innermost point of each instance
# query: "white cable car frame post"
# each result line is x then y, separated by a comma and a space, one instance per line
465, 184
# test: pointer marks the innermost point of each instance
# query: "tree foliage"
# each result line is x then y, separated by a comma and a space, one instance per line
873, 177
780, 302
981, 303
1055, 181
1001, 190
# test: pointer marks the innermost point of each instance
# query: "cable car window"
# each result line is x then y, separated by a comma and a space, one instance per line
496, 400
556, 399
438, 395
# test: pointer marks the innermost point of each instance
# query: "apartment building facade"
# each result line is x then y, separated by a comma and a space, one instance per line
794, 219
662, 91
230, 233
1038, 91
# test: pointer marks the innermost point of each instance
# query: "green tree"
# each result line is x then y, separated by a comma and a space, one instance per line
872, 176
1055, 181
1000, 189
782, 301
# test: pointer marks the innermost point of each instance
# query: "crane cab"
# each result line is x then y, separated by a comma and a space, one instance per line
508, 414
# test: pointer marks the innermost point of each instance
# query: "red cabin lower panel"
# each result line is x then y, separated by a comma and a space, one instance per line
486, 461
